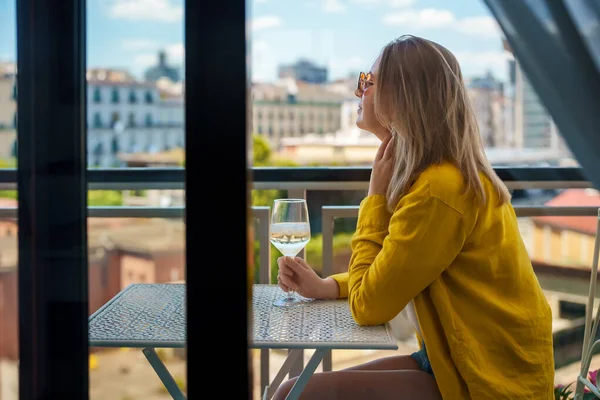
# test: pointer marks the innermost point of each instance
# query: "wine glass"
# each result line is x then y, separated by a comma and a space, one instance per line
290, 232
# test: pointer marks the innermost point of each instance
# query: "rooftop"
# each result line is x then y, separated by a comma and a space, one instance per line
573, 197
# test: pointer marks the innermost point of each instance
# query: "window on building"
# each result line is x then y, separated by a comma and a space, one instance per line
115, 98
132, 97
114, 119
98, 150
131, 120
97, 120
149, 121
149, 97
97, 96
115, 145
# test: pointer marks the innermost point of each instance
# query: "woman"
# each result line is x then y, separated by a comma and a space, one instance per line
436, 234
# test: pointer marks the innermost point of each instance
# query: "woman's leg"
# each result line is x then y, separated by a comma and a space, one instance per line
390, 363
366, 384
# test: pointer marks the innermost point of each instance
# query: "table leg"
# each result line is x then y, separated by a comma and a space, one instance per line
307, 372
163, 374
289, 362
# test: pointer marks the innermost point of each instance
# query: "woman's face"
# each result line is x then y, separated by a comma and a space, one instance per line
367, 87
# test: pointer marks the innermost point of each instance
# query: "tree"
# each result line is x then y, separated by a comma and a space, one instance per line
105, 198
261, 150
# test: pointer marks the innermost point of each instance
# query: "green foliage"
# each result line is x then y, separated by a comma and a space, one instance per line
105, 198
266, 197
565, 393
562, 392
261, 150
8, 194
8, 163
314, 253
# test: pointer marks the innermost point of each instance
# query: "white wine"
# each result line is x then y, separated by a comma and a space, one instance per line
290, 237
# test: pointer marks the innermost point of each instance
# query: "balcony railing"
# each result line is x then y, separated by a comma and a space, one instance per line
298, 182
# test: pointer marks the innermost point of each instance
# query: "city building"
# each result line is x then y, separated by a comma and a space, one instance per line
128, 116
121, 251
489, 106
8, 110
8, 96
292, 108
304, 71
162, 69
124, 115
566, 241
533, 127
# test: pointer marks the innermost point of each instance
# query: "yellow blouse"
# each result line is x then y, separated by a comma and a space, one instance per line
484, 318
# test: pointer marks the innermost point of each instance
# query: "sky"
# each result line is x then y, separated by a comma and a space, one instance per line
343, 35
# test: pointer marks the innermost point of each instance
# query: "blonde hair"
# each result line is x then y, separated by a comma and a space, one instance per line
421, 97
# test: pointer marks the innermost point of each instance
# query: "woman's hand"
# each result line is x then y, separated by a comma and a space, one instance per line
383, 167
295, 274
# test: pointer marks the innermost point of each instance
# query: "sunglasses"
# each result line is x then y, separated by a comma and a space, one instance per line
364, 81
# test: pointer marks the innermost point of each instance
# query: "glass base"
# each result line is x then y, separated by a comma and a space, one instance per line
287, 301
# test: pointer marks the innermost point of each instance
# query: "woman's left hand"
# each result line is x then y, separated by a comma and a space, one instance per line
383, 167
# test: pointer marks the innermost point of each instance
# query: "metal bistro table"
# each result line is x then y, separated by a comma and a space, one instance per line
321, 325
146, 316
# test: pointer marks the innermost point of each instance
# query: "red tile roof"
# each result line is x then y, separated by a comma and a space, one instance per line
570, 198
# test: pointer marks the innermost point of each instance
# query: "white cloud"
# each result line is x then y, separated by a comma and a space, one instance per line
474, 62
433, 18
426, 18
138, 44
391, 3
401, 3
260, 1
478, 26
263, 62
146, 10
265, 22
333, 6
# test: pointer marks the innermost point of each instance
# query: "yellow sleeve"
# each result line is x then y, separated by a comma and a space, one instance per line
342, 281
380, 218
387, 270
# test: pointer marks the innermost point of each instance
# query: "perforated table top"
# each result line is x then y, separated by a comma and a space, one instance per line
153, 315
312, 324
141, 315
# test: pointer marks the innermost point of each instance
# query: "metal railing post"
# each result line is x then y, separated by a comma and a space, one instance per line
263, 216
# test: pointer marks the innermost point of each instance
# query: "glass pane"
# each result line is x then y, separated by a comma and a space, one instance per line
135, 76
135, 84
306, 61
124, 252
304, 110
9, 319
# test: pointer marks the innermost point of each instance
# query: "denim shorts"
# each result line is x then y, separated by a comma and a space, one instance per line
423, 361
